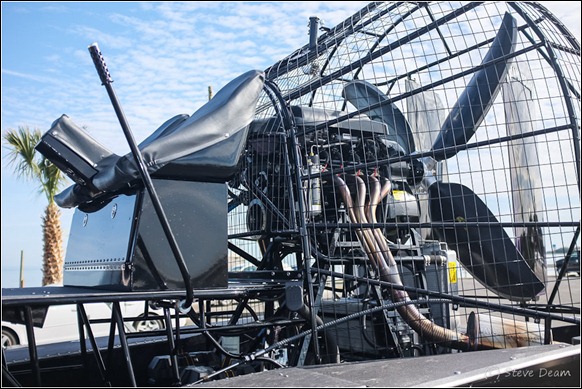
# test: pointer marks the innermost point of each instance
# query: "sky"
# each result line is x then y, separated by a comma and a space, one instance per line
162, 58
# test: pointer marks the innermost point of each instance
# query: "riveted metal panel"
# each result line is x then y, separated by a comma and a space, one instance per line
122, 246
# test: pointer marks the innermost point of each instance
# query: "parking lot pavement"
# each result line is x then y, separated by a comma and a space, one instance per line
568, 295
568, 291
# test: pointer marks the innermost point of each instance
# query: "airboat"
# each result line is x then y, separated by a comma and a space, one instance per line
376, 209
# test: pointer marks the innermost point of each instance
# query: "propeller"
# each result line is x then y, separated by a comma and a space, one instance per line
485, 250
483, 246
525, 172
426, 115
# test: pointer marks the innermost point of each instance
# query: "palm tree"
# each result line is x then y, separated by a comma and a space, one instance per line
30, 165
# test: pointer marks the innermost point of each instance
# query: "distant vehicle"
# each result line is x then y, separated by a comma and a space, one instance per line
244, 268
287, 265
573, 263
60, 324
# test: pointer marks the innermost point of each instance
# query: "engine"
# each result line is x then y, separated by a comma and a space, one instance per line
277, 197
355, 142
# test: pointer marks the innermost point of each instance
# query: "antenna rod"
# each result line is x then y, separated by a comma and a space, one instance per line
106, 80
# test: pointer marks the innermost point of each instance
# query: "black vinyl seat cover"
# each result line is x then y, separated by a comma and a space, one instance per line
203, 147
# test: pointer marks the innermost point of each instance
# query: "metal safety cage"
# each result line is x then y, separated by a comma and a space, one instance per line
419, 165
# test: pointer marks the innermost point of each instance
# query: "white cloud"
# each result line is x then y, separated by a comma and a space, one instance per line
184, 47
107, 40
568, 13
31, 77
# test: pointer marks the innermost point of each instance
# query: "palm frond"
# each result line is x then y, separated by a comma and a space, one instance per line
51, 177
22, 154
31, 165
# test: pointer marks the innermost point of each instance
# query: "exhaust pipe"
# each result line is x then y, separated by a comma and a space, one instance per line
379, 254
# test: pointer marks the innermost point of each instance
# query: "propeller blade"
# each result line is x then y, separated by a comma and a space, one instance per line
525, 172
478, 96
425, 113
486, 250
362, 94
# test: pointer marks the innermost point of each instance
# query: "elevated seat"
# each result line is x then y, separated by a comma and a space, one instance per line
203, 147
116, 240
